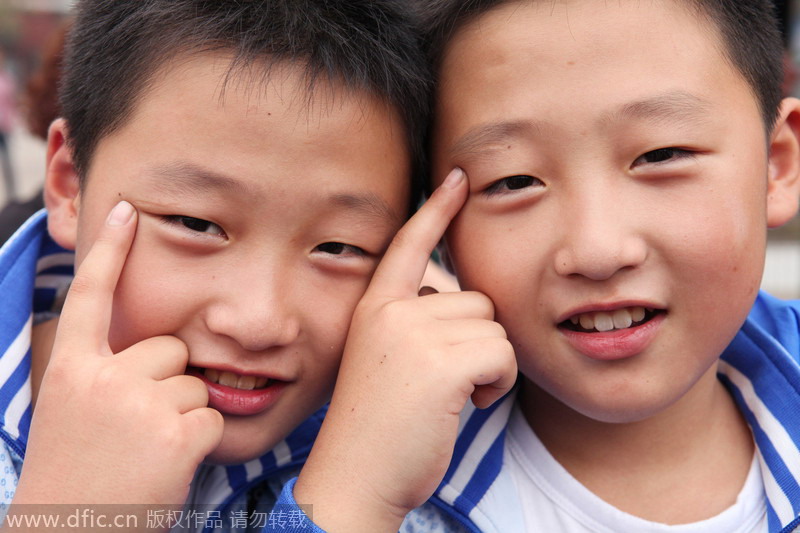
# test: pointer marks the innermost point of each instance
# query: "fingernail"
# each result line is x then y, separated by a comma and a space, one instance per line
454, 178
120, 215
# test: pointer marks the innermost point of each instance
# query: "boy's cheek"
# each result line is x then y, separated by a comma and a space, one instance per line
480, 249
154, 296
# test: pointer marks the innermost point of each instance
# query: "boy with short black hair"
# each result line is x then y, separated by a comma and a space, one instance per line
624, 160
255, 158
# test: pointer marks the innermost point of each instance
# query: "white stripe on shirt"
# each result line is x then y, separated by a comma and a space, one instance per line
15, 353
17, 407
784, 446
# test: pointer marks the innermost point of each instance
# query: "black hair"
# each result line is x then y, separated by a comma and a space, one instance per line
117, 46
751, 39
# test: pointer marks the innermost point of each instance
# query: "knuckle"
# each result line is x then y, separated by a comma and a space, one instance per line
176, 344
198, 389
507, 349
215, 419
482, 302
503, 345
404, 315
499, 350
208, 421
505, 336
108, 378
393, 311
364, 310
59, 374
498, 330
171, 345
174, 437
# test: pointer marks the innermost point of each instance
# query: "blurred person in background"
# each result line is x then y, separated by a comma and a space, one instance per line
8, 102
41, 107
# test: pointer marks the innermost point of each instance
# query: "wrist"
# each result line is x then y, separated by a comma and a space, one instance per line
344, 504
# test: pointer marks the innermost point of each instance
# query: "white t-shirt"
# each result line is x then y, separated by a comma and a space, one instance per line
556, 502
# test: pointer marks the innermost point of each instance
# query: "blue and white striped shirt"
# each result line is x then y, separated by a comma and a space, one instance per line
34, 278
762, 372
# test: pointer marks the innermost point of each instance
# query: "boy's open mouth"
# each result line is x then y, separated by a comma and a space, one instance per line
231, 379
603, 321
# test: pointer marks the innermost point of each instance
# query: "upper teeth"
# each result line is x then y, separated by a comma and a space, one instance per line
602, 321
236, 381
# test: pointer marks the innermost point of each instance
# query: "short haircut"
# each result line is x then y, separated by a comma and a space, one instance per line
116, 47
751, 39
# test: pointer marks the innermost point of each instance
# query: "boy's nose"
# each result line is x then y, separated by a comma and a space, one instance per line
258, 314
599, 239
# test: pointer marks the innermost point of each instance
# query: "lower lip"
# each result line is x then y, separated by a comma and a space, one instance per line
617, 344
241, 402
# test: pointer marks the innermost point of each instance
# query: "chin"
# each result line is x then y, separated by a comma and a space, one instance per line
621, 416
628, 410
237, 449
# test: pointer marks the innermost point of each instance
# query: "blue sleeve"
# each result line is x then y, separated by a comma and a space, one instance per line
288, 516
780, 319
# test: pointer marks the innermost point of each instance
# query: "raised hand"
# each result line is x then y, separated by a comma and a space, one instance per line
125, 427
411, 363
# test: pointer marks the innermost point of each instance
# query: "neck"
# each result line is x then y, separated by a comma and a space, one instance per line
694, 454
42, 338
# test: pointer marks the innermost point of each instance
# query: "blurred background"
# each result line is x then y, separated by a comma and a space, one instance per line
31, 37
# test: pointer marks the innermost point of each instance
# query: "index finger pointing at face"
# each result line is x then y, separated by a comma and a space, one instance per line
86, 315
400, 272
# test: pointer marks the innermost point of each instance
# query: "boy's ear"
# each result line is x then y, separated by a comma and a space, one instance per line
783, 189
61, 187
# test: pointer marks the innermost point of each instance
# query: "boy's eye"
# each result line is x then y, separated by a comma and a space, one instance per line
661, 155
196, 224
339, 248
513, 183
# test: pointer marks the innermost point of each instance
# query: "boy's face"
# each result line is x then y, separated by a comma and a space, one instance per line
618, 173
261, 220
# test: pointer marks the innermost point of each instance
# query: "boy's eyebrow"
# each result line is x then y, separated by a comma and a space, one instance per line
183, 176
369, 204
677, 106
478, 138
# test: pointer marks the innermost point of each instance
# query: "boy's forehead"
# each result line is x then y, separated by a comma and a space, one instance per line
582, 19
190, 84
228, 129
507, 73
265, 79
575, 39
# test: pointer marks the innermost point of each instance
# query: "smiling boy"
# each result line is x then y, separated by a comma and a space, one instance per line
260, 156
624, 160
